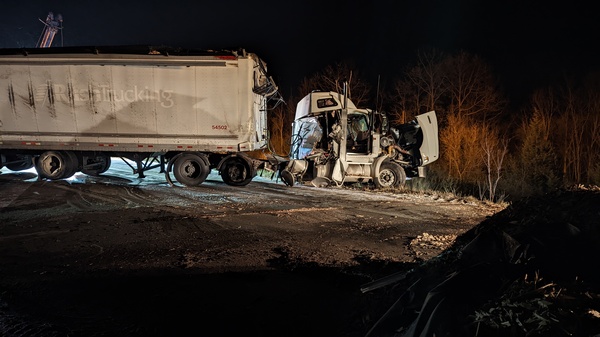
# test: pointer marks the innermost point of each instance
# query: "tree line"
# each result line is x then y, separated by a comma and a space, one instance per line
488, 148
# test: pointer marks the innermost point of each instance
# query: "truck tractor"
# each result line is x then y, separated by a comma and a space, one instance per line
334, 142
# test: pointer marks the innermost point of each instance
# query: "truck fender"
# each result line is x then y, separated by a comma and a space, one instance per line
376, 165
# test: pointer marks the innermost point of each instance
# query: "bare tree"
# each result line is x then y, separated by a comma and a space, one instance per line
586, 123
471, 88
593, 145
332, 78
495, 149
421, 88
280, 128
464, 93
570, 133
569, 118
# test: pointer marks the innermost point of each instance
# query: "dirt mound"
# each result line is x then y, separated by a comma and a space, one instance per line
530, 270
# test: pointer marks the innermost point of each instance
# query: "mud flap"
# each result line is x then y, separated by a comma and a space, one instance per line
339, 171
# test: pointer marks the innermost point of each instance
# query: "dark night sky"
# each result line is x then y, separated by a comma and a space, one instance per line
528, 43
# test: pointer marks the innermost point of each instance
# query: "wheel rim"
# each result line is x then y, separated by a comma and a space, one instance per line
387, 178
95, 165
52, 165
190, 169
236, 172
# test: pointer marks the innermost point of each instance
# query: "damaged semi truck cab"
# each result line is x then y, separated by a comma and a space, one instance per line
334, 142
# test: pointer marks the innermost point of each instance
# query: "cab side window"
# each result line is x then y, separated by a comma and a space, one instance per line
358, 133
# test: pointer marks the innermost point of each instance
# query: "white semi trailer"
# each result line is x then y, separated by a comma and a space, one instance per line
64, 110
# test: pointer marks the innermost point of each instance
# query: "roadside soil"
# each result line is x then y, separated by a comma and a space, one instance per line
121, 256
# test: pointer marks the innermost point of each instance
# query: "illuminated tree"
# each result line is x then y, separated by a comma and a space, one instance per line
536, 161
495, 149
577, 134
470, 88
280, 127
421, 89
463, 92
332, 78
461, 148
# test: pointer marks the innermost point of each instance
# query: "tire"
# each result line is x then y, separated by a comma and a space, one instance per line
235, 171
390, 175
287, 177
25, 164
53, 165
101, 164
190, 169
72, 165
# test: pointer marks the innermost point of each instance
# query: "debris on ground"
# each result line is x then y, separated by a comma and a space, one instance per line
426, 246
529, 270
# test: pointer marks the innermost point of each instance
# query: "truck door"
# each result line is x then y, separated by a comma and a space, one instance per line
358, 134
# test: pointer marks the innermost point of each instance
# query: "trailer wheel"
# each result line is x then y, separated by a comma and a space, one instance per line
235, 171
100, 164
190, 169
72, 164
391, 175
53, 165
287, 177
25, 163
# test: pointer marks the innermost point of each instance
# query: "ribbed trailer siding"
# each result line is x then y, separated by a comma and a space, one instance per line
83, 102
133, 103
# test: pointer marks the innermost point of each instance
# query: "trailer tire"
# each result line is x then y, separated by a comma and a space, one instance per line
390, 175
72, 164
53, 165
26, 163
190, 169
102, 160
287, 177
236, 171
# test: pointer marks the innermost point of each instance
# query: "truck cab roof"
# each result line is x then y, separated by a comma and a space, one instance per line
319, 102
